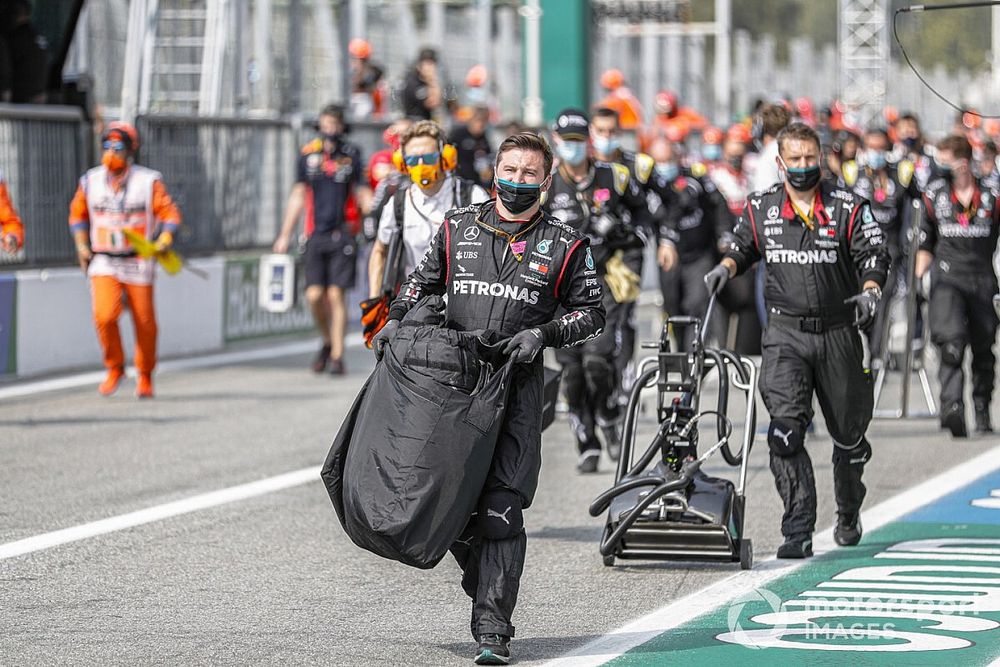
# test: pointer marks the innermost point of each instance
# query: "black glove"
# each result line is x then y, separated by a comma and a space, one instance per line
717, 278
383, 336
524, 345
865, 305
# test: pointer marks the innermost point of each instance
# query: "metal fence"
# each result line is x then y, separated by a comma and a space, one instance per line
43, 152
230, 177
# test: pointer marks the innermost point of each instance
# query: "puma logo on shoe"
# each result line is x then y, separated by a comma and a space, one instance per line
503, 516
784, 437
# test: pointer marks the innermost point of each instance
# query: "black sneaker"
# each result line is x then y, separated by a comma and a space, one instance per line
848, 531
493, 650
337, 367
321, 360
796, 546
954, 420
588, 461
983, 422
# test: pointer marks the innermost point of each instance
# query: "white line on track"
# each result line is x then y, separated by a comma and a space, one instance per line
640, 631
208, 360
159, 512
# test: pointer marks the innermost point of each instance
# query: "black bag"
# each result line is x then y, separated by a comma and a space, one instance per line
407, 468
550, 395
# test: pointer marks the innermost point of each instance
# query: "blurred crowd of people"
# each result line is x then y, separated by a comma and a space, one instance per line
24, 57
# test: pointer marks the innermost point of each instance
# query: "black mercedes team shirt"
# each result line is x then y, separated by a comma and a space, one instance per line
810, 269
962, 239
510, 276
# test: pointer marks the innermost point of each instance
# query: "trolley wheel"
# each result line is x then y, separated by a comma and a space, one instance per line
746, 554
609, 561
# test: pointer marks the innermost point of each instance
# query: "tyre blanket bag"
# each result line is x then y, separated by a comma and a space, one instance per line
407, 468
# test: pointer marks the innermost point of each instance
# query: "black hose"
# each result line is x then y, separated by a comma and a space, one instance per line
603, 501
628, 428
723, 403
727, 452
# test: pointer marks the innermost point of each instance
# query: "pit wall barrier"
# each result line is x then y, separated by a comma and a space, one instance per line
46, 323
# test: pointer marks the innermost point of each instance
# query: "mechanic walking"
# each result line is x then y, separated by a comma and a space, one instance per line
117, 196
820, 246
958, 238
504, 267
329, 178
602, 201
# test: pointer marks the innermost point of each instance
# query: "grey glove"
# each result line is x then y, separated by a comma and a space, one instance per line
524, 346
382, 337
717, 278
865, 305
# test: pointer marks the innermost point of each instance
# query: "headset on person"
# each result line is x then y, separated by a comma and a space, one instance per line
448, 157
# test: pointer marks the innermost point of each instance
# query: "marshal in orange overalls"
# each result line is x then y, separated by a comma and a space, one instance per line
11, 229
115, 196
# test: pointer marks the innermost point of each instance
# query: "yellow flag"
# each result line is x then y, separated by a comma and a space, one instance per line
168, 259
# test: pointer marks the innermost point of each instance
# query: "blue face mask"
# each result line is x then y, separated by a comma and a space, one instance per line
606, 145
668, 171
711, 152
572, 152
875, 159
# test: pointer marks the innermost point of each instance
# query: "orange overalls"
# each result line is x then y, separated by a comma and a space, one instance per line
10, 224
137, 201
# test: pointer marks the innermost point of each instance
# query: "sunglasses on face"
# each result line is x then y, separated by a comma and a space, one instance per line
426, 158
114, 145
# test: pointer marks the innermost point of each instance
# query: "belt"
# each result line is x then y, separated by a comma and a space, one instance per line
813, 324
119, 255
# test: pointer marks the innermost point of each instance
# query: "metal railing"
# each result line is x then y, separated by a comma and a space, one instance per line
43, 152
229, 177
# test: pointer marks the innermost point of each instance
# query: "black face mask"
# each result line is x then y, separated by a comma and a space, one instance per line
518, 197
736, 162
333, 138
945, 172
910, 142
804, 179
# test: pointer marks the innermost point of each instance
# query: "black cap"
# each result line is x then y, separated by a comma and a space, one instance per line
572, 124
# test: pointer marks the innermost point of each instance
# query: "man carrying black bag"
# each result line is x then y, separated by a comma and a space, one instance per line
507, 267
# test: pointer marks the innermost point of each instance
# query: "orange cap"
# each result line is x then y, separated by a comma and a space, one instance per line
711, 135
612, 79
476, 76
359, 48
738, 132
124, 130
665, 102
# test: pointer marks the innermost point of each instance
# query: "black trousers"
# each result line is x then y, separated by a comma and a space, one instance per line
492, 564
795, 365
590, 377
961, 314
684, 292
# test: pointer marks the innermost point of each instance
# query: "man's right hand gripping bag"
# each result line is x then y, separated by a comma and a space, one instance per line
407, 468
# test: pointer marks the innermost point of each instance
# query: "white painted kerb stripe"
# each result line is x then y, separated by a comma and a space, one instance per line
159, 512
642, 630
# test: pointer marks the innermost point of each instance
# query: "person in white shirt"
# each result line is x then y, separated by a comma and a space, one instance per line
433, 191
772, 119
